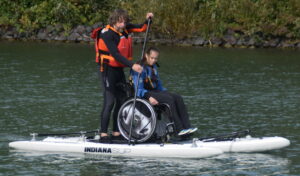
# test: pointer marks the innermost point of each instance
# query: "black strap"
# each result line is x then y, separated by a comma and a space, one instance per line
104, 52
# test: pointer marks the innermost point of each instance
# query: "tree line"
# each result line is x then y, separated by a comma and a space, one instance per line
173, 18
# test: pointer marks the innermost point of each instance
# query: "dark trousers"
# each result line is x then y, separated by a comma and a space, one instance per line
112, 79
177, 107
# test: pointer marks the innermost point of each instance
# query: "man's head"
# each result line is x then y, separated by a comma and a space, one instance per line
118, 18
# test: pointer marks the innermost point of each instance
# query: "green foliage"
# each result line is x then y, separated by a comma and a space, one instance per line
35, 14
173, 18
185, 18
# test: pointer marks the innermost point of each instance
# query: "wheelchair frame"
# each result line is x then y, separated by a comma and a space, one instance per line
150, 122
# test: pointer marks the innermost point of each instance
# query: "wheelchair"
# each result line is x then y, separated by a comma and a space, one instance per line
141, 122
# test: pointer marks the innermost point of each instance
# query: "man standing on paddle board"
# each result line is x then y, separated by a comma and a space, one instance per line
113, 53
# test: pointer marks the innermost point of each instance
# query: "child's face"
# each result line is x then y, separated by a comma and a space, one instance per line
152, 57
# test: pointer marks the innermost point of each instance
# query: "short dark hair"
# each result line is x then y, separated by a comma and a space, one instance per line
117, 15
148, 51
152, 48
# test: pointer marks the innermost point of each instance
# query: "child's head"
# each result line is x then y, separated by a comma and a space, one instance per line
151, 56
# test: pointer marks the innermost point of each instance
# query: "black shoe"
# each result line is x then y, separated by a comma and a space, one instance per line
105, 139
120, 137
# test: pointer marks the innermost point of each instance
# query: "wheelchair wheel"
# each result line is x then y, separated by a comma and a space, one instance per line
144, 120
164, 125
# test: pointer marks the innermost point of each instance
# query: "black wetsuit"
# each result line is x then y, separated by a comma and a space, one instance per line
112, 79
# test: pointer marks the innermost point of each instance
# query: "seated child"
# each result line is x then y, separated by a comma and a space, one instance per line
150, 87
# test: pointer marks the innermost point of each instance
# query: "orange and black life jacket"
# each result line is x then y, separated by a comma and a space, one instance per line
124, 45
95, 36
102, 52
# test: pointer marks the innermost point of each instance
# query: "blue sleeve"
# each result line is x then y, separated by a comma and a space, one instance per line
140, 90
159, 86
159, 83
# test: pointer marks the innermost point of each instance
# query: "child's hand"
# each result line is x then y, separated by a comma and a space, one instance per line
153, 101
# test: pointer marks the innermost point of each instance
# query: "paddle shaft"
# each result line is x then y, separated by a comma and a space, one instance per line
139, 75
226, 136
64, 134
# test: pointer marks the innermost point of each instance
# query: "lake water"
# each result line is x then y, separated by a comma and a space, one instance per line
54, 88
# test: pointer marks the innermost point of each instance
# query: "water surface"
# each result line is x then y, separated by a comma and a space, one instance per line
50, 87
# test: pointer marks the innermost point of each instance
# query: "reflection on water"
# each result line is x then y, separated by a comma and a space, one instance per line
226, 164
254, 164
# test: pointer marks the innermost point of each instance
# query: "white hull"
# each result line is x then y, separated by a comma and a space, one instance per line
197, 149
77, 145
248, 144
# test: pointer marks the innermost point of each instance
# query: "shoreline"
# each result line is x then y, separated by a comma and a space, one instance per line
81, 34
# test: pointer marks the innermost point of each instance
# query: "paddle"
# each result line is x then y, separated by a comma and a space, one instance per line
64, 134
136, 87
224, 137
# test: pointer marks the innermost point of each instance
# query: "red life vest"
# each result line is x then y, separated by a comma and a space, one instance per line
102, 53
